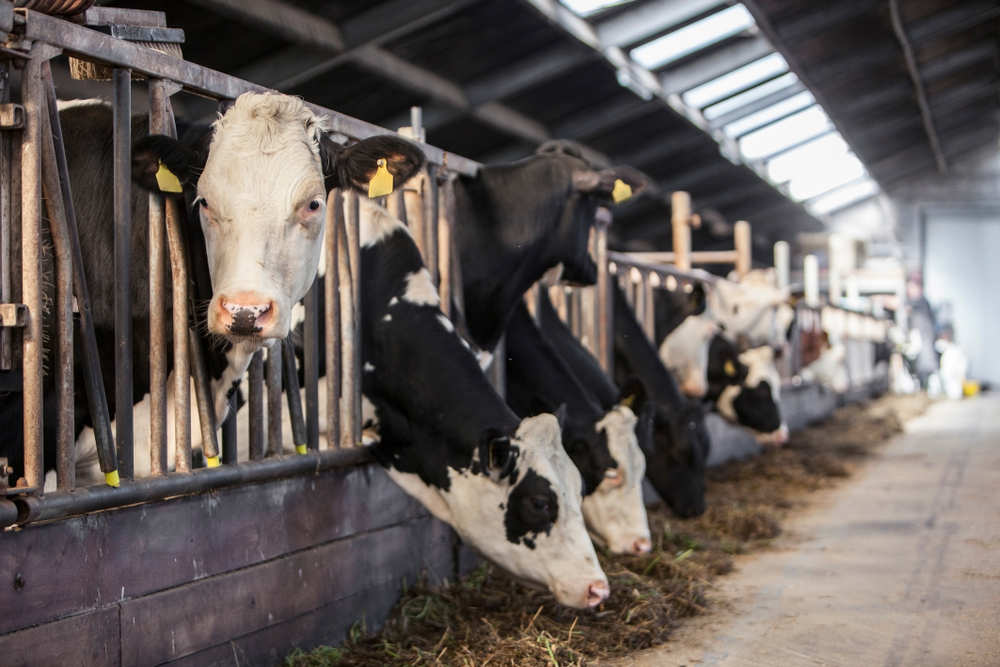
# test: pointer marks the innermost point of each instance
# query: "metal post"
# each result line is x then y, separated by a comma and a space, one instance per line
157, 299
782, 259
31, 262
206, 407
649, 308
7, 197
122, 81
810, 278
334, 224
310, 362
256, 407
188, 359
444, 232
744, 254
294, 397
353, 229
430, 217
274, 364
349, 412
681, 220
413, 204
230, 434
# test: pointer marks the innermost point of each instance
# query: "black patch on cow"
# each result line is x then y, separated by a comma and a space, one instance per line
532, 507
755, 408
724, 367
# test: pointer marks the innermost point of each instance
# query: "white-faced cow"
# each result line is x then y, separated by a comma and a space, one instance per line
756, 402
601, 443
518, 220
753, 308
671, 307
686, 351
505, 484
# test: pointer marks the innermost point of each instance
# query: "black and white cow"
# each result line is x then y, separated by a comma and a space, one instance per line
260, 176
601, 443
756, 401
505, 484
518, 220
676, 467
671, 307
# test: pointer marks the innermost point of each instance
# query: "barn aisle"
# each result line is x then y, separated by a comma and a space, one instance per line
898, 567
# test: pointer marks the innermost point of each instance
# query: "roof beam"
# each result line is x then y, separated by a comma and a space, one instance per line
952, 21
592, 120
286, 21
650, 19
665, 148
742, 51
528, 72
824, 17
390, 20
918, 85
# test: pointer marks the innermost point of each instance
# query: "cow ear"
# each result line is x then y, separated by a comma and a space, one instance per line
697, 299
615, 184
633, 394
498, 454
163, 164
355, 166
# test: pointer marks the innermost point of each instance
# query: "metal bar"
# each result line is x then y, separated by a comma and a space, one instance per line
353, 244
157, 298
257, 406
310, 362
87, 342
649, 308
122, 82
92, 499
744, 249
274, 365
413, 203
204, 402
695, 257
294, 397
680, 219
63, 310
430, 219
918, 85
331, 285
349, 412
444, 233
625, 260
6, 218
605, 317
31, 271
230, 434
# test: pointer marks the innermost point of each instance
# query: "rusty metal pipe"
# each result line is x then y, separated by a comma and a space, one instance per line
205, 405
256, 407
7, 197
348, 312
310, 361
273, 378
331, 284
157, 299
353, 245
122, 156
294, 397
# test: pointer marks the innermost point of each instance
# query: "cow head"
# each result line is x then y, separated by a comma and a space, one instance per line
676, 465
756, 402
518, 505
751, 308
724, 367
686, 353
261, 188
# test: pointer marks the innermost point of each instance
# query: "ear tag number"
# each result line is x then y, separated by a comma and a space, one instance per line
729, 368
166, 180
621, 192
381, 183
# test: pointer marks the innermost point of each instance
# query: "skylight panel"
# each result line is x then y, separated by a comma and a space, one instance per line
825, 177
843, 197
770, 114
588, 7
691, 38
807, 157
786, 133
736, 81
756, 93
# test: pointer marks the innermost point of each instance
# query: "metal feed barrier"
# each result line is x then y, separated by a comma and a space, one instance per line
33, 163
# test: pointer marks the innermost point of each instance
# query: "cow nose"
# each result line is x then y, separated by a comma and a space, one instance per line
597, 593
245, 314
642, 546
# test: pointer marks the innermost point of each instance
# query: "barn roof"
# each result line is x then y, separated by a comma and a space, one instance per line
497, 77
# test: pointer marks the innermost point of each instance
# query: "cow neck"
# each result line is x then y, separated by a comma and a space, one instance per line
637, 355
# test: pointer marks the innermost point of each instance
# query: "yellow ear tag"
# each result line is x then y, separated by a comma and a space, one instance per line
621, 192
300, 449
627, 401
729, 368
381, 183
166, 180
212, 462
112, 479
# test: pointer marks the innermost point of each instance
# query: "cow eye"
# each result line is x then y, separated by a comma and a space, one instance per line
203, 203
541, 503
313, 206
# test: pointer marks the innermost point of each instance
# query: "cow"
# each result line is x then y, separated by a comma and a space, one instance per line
516, 221
676, 467
505, 484
756, 402
752, 307
686, 352
601, 443
259, 178
829, 369
671, 307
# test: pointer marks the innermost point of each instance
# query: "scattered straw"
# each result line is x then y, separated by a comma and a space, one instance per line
487, 619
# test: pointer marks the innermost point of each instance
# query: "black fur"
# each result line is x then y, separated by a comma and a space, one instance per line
672, 308
755, 407
532, 508
722, 352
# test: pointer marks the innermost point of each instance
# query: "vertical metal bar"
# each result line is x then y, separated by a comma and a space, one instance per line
6, 218
558, 295
413, 203
588, 315
353, 229
87, 342
498, 369
206, 407
444, 232
348, 350
396, 206
605, 317
230, 434
294, 397
334, 224
256, 408
31, 272
311, 364
430, 203
649, 312
274, 365
122, 82
62, 340
157, 299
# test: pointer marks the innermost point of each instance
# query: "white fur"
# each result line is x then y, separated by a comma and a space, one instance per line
829, 369
685, 353
751, 307
446, 323
615, 514
420, 290
376, 223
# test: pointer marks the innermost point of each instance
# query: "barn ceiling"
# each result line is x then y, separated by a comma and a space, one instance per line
497, 77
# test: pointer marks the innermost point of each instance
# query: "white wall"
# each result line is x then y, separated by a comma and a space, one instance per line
960, 265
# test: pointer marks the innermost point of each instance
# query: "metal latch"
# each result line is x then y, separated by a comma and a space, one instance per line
13, 315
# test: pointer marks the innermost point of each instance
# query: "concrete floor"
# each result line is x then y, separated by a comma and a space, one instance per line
898, 567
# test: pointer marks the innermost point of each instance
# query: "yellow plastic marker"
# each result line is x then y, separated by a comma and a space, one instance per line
729, 368
212, 462
381, 183
627, 401
112, 479
301, 449
621, 192
166, 180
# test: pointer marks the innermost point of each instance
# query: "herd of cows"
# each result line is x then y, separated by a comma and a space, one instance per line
530, 482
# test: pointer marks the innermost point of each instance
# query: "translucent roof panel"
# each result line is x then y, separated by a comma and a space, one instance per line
825, 177
691, 38
736, 81
588, 7
845, 196
806, 157
770, 114
757, 92
785, 134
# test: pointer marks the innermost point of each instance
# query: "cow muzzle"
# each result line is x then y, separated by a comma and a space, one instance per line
244, 314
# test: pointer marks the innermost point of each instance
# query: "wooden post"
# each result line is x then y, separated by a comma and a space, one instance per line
604, 339
810, 276
782, 258
680, 219
744, 256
